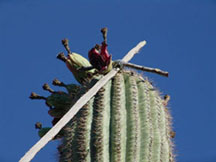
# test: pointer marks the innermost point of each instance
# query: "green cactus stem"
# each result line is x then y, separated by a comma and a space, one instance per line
125, 121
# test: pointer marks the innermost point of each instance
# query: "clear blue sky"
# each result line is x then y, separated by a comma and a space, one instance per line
181, 38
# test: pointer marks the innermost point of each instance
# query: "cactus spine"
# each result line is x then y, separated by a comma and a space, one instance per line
125, 121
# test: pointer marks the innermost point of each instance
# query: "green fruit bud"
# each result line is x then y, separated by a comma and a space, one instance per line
59, 99
74, 63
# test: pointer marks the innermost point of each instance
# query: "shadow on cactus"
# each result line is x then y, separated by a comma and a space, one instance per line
127, 120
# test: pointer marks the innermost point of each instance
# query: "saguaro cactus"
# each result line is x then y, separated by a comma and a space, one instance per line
126, 121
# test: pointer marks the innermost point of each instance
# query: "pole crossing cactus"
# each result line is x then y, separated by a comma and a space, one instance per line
127, 120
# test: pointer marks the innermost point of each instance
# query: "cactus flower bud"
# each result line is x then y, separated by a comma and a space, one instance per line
75, 62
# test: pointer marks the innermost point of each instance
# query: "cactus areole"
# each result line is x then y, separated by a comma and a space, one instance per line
126, 121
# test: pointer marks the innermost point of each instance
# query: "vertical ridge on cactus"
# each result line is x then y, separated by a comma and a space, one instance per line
133, 119
100, 124
118, 120
83, 132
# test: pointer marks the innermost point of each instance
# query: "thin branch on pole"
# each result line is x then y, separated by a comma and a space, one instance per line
76, 107
148, 69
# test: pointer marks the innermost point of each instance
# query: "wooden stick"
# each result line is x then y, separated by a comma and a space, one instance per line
148, 69
76, 107
133, 51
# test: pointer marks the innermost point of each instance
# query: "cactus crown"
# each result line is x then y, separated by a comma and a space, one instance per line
127, 120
